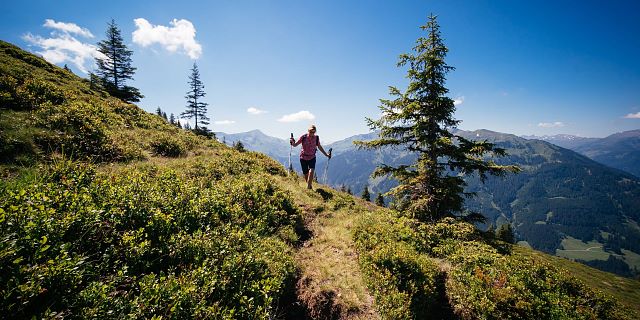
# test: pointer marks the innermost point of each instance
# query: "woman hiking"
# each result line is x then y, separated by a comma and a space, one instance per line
310, 141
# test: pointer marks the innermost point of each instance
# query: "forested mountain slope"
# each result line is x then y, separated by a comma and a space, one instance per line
620, 150
559, 198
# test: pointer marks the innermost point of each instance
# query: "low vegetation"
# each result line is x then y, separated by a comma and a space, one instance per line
109, 212
211, 240
408, 263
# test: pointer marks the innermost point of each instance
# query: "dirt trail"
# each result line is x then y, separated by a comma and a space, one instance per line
330, 284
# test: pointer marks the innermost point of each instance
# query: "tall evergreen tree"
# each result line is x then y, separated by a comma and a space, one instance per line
172, 119
421, 120
114, 65
505, 233
365, 194
379, 200
196, 109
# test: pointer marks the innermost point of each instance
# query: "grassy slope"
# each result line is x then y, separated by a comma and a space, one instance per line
327, 262
625, 290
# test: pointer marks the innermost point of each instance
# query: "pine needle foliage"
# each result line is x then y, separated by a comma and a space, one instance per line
379, 200
114, 65
366, 195
421, 119
196, 108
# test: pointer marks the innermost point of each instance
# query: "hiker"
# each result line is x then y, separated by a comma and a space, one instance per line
310, 141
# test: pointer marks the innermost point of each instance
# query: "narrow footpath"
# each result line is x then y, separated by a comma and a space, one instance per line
330, 285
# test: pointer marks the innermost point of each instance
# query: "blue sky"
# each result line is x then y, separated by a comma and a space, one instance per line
522, 67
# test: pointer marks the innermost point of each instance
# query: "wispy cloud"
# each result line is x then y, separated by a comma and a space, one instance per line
633, 116
68, 27
298, 116
255, 111
557, 124
62, 46
224, 122
458, 101
179, 37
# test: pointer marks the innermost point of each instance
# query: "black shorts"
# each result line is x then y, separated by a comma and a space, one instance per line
307, 164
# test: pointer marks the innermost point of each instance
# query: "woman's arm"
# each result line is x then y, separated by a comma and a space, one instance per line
295, 144
322, 150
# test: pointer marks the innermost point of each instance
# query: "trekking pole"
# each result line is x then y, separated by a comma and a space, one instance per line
290, 150
326, 168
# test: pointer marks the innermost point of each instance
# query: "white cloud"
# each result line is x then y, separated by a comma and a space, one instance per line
633, 116
179, 37
458, 101
224, 122
67, 27
62, 47
255, 111
557, 124
298, 116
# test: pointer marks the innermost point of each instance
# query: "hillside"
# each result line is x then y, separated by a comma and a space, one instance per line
108, 212
257, 141
620, 150
560, 197
566, 141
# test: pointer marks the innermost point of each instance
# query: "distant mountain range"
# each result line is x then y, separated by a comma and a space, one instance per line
619, 150
562, 202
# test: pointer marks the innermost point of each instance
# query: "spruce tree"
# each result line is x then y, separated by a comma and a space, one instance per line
505, 233
196, 109
172, 119
239, 146
114, 66
365, 194
421, 120
379, 200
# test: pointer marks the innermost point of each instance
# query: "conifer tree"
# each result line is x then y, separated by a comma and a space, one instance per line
114, 65
164, 116
239, 146
379, 200
95, 82
421, 120
365, 193
505, 233
172, 119
196, 108
159, 112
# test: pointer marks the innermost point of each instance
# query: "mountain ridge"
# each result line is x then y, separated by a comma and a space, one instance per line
541, 161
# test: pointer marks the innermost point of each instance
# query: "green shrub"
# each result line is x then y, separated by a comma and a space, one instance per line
486, 285
144, 241
482, 282
403, 281
168, 146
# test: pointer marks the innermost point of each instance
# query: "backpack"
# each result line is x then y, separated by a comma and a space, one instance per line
317, 138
